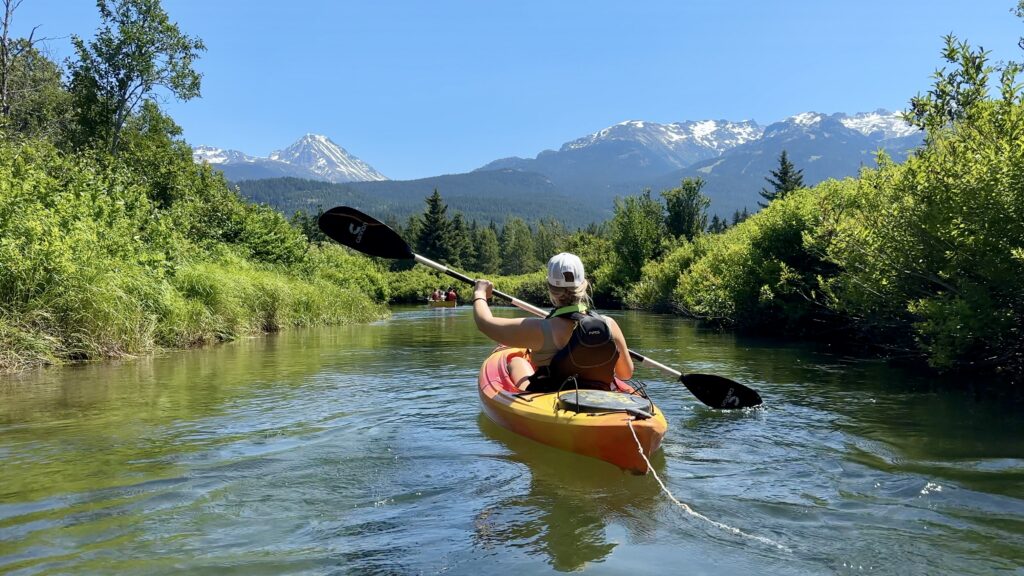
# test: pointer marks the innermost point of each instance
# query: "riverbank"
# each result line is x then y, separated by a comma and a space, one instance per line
105, 257
202, 303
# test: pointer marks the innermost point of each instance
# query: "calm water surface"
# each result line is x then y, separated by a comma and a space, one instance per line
362, 450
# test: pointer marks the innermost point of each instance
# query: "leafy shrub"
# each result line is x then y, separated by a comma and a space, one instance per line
92, 265
659, 278
760, 274
931, 244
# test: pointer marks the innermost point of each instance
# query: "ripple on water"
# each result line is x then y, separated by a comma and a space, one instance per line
363, 450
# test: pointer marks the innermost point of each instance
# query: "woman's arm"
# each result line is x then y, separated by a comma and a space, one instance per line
520, 332
624, 363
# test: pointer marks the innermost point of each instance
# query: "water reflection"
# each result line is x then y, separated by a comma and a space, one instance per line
568, 505
362, 449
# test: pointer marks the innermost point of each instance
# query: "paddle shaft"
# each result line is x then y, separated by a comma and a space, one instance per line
526, 306
366, 234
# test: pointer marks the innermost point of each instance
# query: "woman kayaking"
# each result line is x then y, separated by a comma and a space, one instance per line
572, 347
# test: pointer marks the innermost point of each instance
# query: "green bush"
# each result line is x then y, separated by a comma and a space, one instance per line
934, 244
659, 278
93, 263
761, 274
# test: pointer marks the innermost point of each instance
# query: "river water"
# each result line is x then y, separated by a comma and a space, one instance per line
363, 450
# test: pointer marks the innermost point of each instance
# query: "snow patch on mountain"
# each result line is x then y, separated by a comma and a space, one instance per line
673, 140
319, 154
212, 155
316, 155
805, 119
889, 124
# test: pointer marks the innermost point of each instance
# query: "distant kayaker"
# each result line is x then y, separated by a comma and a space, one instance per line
452, 296
436, 295
554, 342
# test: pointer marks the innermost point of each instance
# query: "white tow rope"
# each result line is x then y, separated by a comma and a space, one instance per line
686, 508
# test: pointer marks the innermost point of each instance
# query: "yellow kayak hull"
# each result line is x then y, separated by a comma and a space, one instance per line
604, 435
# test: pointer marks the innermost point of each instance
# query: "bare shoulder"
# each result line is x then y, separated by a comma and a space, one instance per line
611, 322
613, 326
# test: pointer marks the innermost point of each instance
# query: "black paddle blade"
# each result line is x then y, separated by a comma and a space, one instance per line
364, 233
719, 392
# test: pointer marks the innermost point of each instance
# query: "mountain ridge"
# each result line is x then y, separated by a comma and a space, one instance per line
312, 156
733, 158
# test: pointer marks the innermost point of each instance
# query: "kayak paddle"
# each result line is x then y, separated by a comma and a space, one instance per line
368, 235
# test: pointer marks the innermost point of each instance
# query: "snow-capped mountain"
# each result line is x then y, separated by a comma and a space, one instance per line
331, 162
313, 157
878, 125
733, 159
889, 124
822, 146
680, 143
633, 150
212, 155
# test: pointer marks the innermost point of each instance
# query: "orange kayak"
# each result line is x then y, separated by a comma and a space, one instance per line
593, 423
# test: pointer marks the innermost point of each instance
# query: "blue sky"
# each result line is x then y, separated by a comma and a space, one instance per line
418, 88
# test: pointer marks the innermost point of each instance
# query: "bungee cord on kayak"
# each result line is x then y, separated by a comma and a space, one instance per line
537, 356
690, 511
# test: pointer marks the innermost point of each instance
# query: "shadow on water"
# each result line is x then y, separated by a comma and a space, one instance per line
569, 503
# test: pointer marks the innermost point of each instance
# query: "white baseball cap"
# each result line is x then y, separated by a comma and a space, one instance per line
565, 270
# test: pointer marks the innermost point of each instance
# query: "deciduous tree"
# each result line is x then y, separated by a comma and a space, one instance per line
136, 51
687, 209
636, 232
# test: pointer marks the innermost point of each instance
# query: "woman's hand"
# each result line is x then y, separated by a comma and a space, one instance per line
483, 289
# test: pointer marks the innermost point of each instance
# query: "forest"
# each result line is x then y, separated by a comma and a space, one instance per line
113, 242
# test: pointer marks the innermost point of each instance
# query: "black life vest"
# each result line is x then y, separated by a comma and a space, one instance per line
586, 361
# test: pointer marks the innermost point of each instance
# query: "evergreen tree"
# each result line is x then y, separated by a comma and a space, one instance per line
434, 230
549, 239
308, 225
687, 209
411, 230
460, 244
738, 216
718, 225
488, 252
784, 180
517, 248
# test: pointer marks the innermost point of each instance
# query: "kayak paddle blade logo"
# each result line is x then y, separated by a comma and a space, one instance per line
357, 231
363, 233
719, 392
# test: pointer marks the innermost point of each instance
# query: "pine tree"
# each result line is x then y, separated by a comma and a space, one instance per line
549, 238
460, 244
786, 179
517, 248
434, 230
738, 216
488, 253
718, 225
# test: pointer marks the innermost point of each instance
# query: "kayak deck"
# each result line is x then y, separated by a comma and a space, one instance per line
602, 432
